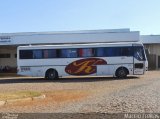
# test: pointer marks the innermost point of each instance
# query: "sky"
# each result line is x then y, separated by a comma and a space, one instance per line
69, 15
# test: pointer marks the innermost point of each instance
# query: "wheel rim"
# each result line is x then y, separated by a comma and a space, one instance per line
122, 73
52, 75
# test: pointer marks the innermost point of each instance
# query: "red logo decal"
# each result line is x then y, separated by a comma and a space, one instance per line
84, 66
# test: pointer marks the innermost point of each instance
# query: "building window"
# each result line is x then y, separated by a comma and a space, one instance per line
5, 55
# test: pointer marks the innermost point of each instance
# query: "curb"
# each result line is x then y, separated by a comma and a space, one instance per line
2, 103
39, 97
18, 100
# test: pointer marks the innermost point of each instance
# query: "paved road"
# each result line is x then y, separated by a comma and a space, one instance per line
89, 94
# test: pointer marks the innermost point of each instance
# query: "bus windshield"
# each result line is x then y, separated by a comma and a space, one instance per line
139, 53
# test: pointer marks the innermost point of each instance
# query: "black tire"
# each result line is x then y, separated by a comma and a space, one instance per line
121, 73
51, 74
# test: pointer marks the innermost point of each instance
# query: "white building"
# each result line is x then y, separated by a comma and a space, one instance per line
10, 41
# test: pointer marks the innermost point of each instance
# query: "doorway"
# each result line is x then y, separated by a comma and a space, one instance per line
158, 62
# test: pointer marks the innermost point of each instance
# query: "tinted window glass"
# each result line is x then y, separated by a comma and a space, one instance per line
126, 51
37, 54
113, 51
74, 53
86, 52
139, 53
68, 53
50, 53
26, 54
100, 52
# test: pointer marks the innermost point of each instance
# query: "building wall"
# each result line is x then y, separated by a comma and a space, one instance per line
154, 55
154, 48
12, 61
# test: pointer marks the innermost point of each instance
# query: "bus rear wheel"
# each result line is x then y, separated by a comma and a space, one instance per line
51, 74
121, 72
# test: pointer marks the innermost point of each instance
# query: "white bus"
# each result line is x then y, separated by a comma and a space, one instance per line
98, 59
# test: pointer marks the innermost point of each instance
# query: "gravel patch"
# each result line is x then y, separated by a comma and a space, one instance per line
141, 98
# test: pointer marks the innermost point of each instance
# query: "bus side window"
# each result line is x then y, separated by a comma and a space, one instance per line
37, 54
63, 53
100, 52
108, 52
86, 52
26, 54
72, 53
126, 51
68, 53
49, 53
113, 51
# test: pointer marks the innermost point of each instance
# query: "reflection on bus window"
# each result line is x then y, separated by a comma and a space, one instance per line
126, 51
100, 52
86, 52
37, 54
26, 54
79, 52
50, 53
139, 53
68, 53
113, 51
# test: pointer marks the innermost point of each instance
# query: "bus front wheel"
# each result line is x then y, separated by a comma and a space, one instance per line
51, 74
121, 72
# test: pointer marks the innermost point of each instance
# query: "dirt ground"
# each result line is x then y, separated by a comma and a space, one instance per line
89, 94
